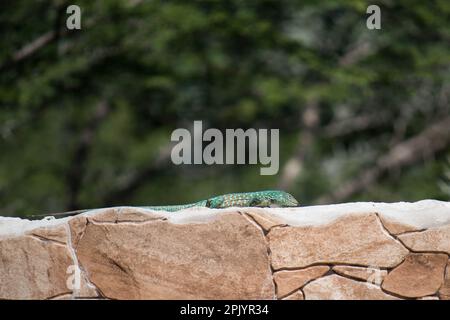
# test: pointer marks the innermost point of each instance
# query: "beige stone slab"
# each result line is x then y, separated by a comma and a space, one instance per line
289, 280
353, 239
33, 269
421, 274
433, 239
223, 259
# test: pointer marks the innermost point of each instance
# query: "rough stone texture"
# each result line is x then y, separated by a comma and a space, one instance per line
419, 275
318, 252
433, 239
32, 269
159, 260
372, 275
335, 287
289, 280
355, 239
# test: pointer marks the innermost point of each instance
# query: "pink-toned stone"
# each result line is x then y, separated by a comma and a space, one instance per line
395, 227
32, 269
354, 239
420, 275
372, 275
297, 295
334, 287
264, 219
433, 239
222, 259
54, 233
289, 280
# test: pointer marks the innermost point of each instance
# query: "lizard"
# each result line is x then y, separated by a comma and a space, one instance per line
266, 198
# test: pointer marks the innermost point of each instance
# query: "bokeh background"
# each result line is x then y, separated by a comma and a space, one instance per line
86, 115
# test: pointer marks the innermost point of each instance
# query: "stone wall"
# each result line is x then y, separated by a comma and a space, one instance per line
346, 251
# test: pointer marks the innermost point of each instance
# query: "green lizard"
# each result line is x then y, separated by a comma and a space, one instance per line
266, 198
243, 199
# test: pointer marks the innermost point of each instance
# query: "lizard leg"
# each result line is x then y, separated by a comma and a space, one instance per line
257, 202
215, 203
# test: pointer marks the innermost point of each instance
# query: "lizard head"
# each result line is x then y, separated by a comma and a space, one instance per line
281, 199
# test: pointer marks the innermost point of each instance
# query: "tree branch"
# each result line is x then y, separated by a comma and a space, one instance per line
34, 46
420, 147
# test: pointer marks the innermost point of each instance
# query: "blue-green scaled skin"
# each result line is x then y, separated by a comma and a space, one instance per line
266, 198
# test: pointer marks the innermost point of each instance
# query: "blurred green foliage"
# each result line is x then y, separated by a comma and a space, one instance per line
85, 115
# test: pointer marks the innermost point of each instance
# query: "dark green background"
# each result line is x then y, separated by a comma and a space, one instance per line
86, 115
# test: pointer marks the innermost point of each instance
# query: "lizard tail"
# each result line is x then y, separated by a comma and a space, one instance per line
173, 208
59, 214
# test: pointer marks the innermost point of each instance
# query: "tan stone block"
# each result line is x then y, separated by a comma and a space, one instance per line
421, 274
223, 259
289, 280
433, 239
32, 268
354, 239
